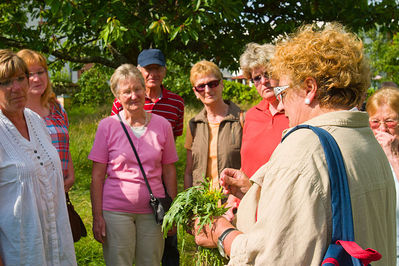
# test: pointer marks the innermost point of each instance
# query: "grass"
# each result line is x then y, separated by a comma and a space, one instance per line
83, 125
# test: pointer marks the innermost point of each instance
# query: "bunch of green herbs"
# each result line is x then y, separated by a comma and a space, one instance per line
199, 202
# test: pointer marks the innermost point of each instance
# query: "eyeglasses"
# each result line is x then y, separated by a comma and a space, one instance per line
39, 73
7, 83
211, 84
279, 92
257, 79
389, 123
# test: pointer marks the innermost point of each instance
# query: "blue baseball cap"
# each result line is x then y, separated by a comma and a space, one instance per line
151, 56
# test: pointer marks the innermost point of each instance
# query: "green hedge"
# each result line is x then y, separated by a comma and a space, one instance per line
240, 93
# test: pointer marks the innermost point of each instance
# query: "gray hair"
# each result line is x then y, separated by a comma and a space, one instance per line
122, 72
255, 55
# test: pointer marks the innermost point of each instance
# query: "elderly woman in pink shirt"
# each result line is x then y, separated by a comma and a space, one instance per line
122, 217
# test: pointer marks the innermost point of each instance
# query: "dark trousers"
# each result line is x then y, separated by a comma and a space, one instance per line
170, 253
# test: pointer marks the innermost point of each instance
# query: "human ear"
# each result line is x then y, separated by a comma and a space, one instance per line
310, 89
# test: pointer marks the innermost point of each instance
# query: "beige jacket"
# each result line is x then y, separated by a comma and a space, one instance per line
291, 199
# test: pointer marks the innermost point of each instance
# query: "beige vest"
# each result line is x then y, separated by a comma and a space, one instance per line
228, 143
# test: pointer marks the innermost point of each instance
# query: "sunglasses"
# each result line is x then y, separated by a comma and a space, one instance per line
257, 79
390, 123
211, 84
279, 92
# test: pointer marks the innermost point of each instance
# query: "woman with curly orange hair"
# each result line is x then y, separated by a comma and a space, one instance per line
285, 216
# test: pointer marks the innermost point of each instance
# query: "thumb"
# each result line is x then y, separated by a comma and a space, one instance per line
103, 231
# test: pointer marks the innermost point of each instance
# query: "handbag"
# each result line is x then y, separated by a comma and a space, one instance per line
343, 249
77, 226
159, 205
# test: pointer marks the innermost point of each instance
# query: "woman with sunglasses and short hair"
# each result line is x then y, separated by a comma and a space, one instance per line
213, 138
383, 109
264, 124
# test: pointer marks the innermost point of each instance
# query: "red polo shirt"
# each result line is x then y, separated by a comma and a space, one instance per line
169, 105
261, 135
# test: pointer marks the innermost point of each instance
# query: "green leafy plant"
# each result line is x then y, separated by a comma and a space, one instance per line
94, 88
198, 202
240, 93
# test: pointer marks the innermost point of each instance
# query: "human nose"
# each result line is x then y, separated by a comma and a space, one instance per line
132, 95
16, 84
280, 106
265, 80
383, 126
34, 76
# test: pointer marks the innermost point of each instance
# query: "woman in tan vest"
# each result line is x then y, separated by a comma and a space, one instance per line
213, 139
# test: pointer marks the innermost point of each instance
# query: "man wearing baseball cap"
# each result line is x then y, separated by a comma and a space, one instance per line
160, 101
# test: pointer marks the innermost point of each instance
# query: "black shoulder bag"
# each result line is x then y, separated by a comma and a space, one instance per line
159, 205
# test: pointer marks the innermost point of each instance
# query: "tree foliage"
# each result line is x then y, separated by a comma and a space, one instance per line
94, 88
383, 51
112, 32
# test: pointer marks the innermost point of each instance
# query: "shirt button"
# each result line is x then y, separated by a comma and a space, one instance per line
35, 151
41, 164
38, 157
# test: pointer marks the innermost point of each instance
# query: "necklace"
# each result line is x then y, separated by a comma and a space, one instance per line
145, 121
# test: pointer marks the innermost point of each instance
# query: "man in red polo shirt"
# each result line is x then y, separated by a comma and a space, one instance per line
158, 100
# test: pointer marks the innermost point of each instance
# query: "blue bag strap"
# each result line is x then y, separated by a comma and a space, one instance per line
342, 221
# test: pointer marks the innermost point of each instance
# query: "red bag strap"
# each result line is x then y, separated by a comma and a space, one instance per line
364, 255
330, 262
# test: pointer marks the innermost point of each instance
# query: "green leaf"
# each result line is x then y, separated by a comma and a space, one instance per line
197, 5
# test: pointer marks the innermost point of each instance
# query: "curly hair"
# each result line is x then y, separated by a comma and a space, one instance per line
204, 68
255, 55
385, 95
122, 72
11, 64
332, 56
32, 58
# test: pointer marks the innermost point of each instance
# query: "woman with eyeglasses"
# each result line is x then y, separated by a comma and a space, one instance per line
34, 224
285, 216
123, 221
213, 138
383, 110
43, 101
264, 123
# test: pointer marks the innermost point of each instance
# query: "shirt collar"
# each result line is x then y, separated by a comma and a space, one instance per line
353, 119
263, 105
163, 93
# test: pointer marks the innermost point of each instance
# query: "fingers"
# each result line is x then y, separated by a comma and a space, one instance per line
68, 183
228, 172
99, 231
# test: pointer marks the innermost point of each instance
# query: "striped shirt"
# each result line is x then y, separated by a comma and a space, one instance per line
169, 105
57, 126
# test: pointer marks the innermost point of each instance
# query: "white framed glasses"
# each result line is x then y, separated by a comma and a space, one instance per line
278, 92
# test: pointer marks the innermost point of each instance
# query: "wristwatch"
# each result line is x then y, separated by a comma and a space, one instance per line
221, 239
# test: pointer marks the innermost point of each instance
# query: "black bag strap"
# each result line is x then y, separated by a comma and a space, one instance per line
137, 157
